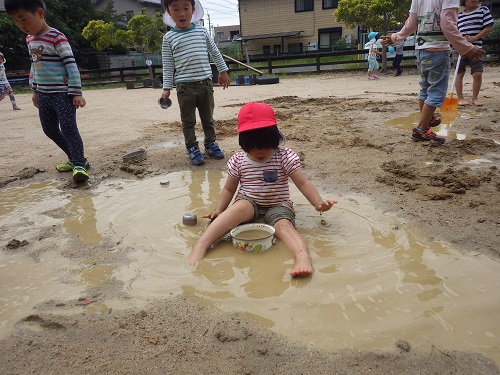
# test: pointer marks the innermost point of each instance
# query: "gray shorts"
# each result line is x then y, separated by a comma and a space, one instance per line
271, 215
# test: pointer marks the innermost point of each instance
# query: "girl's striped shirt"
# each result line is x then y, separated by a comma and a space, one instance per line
53, 66
265, 183
474, 22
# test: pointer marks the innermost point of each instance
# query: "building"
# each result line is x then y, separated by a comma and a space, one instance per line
131, 8
291, 26
224, 34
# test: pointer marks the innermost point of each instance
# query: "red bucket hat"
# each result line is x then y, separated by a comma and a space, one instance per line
255, 116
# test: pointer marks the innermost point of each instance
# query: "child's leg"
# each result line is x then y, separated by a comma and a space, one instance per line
459, 85
58, 118
286, 232
206, 110
239, 212
186, 96
8, 89
476, 86
2, 92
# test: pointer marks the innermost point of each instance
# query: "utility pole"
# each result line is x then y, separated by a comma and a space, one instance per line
209, 27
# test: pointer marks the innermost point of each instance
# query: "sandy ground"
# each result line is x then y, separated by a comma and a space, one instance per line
339, 125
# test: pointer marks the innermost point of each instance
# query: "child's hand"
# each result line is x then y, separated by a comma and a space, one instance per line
324, 206
34, 99
165, 94
211, 215
79, 101
224, 80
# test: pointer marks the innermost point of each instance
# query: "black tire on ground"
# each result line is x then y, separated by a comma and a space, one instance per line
266, 80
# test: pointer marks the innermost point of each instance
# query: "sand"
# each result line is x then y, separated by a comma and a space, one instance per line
344, 130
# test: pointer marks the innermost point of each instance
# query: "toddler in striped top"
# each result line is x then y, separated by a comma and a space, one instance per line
261, 170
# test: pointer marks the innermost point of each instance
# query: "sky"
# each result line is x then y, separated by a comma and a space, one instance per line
221, 12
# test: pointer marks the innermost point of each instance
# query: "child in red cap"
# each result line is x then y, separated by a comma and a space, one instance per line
261, 171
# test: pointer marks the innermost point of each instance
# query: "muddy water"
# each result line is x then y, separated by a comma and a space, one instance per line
377, 278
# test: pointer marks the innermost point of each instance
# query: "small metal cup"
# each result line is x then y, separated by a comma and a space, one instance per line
189, 219
164, 103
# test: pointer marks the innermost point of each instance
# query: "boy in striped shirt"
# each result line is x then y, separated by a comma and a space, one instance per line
55, 81
185, 50
262, 171
474, 22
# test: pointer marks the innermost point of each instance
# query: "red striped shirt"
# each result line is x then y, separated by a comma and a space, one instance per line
265, 183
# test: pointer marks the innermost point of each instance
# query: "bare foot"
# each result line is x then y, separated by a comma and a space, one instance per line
302, 267
463, 102
477, 103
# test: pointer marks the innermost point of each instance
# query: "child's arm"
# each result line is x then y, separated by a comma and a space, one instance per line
479, 35
218, 60
309, 191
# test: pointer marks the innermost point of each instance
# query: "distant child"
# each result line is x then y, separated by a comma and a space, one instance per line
372, 47
474, 22
55, 81
262, 170
435, 24
396, 62
5, 85
185, 50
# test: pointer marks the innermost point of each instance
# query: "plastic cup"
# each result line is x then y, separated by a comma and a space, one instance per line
164, 103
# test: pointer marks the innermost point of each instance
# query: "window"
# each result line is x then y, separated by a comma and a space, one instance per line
129, 14
304, 5
277, 49
295, 47
330, 4
328, 37
266, 50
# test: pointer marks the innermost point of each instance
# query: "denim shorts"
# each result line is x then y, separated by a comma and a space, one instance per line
271, 215
434, 69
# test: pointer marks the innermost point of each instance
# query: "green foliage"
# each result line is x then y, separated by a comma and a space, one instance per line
100, 34
379, 15
144, 33
13, 44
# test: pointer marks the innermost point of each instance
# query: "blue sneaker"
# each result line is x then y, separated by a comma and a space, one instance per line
214, 151
196, 156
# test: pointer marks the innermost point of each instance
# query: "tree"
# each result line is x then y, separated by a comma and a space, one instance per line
99, 34
379, 15
144, 33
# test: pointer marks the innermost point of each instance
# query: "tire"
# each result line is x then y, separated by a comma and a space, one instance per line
266, 80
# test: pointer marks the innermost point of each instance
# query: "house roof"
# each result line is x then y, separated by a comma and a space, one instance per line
267, 36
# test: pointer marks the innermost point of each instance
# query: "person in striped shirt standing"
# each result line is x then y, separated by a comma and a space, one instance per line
474, 22
55, 81
262, 171
185, 49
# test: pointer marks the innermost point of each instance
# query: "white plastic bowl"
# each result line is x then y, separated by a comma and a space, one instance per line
242, 243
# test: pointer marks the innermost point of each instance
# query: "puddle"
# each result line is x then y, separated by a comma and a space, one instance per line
377, 279
445, 129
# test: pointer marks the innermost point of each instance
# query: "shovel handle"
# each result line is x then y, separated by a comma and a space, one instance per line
455, 76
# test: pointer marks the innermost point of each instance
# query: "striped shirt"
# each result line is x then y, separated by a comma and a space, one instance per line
265, 183
474, 22
185, 56
53, 66
3, 76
